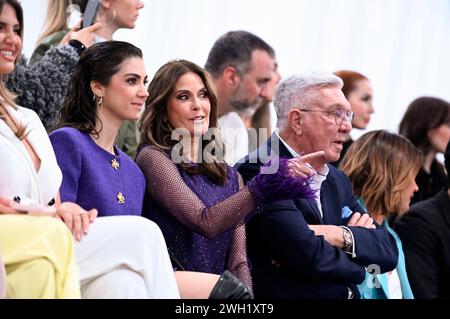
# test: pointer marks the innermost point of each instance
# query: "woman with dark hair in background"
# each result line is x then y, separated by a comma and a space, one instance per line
426, 124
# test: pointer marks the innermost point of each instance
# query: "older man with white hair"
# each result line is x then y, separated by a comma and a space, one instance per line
316, 248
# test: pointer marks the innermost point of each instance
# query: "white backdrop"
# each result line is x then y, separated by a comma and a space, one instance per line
403, 46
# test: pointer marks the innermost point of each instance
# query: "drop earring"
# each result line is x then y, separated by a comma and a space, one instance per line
98, 100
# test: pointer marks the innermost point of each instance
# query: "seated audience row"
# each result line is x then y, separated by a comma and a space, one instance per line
108, 87
313, 232
45, 261
319, 247
99, 272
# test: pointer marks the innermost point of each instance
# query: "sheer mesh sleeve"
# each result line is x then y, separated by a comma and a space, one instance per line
237, 261
167, 188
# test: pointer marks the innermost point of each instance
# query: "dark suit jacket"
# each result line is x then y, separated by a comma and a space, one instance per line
425, 234
289, 261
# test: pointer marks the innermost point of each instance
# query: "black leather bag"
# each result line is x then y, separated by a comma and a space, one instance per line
230, 287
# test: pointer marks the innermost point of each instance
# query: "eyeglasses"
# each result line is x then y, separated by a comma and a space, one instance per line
338, 114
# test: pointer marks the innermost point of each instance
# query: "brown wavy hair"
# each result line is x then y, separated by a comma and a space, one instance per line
380, 166
156, 130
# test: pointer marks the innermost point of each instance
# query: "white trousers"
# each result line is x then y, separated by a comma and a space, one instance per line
125, 257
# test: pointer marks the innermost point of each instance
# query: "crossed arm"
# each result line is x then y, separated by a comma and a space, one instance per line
287, 240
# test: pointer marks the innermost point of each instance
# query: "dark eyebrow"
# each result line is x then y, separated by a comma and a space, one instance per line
133, 74
137, 76
2, 23
182, 91
189, 92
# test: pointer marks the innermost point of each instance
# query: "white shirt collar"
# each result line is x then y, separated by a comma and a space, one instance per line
290, 149
323, 171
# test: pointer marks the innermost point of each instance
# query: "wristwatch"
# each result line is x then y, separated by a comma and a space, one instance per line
77, 45
348, 240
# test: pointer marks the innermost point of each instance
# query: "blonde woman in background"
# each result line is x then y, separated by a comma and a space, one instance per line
112, 14
55, 25
382, 168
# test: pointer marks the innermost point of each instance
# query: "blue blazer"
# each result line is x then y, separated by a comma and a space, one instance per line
288, 260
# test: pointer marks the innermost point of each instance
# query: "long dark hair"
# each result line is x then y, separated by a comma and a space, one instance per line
98, 63
155, 128
7, 96
423, 114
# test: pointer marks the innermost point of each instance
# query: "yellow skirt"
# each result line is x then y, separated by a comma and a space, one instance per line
38, 253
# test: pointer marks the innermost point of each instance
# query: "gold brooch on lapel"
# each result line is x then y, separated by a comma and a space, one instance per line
115, 164
120, 198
